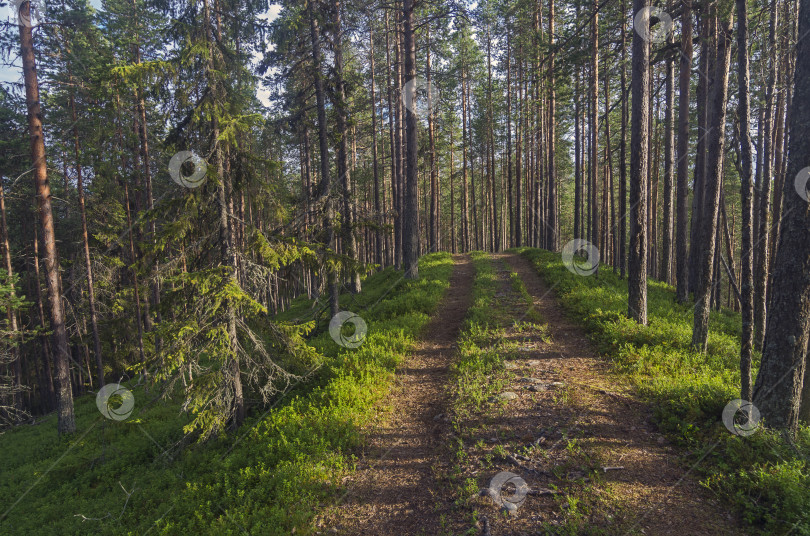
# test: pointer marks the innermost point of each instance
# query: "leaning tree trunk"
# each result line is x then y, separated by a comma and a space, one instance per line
639, 143
713, 180
779, 382
66, 423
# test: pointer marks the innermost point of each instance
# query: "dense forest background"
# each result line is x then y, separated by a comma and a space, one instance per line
173, 213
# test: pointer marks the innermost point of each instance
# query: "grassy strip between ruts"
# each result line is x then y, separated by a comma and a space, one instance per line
490, 335
764, 475
270, 478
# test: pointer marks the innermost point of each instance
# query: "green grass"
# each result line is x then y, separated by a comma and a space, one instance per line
765, 476
270, 477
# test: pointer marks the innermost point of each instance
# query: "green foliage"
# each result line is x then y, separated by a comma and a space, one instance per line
270, 477
765, 475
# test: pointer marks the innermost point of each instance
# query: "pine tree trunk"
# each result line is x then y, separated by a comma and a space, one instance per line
746, 197
552, 237
639, 143
623, 154
682, 216
718, 91
325, 186
763, 236
777, 392
91, 293
669, 168
10, 312
378, 233
594, 154
410, 250
348, 239
66, 422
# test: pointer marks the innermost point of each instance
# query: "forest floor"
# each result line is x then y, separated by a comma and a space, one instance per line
393, 490
575, 432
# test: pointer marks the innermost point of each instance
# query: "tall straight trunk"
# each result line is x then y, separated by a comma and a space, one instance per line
147, 176
608, 210
594, 155
705, 66
451, 179
348, 238
777, 392
378, 234
226, 252
639, 143
746, 197
66, 421
47, 391
518, 146
509, 203
434, 177
682, 195
133, 257
578, 231
10, 312
494, 228
400, 115
669, 168
623, 154
718, 91
393, 131
410, 231
325, 186
763, 236
552, 237
91, 291
465, 209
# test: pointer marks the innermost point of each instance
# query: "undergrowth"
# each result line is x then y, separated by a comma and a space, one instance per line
765, 476
270, 477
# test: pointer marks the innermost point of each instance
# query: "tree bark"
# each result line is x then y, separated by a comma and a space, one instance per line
410, 250
718, 91
761, 264
779, 382
746, 197
639, 143
682, 217
66, 422
91, 292
325, 186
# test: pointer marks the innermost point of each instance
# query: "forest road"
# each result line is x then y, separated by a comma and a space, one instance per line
393, 491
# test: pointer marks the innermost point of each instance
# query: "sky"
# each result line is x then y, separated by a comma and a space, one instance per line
13, 73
